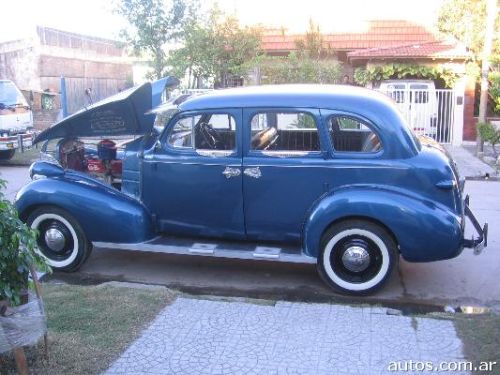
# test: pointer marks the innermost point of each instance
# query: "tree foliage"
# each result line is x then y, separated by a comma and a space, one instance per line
216, 47
153, 24
313, 44
17, 252
313, 62
299, 68
378, 73
465, 20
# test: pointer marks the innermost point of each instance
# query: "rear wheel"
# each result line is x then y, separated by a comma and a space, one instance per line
357, 257
7, 154
61, 240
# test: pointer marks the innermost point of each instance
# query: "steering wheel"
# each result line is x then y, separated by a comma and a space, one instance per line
210, 136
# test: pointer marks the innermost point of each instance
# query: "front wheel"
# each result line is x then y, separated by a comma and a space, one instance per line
7, 154
357, 257
61, 240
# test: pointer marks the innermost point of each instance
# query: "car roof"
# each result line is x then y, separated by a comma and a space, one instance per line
286, 96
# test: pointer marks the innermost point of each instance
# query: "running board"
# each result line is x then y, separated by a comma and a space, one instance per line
217, 249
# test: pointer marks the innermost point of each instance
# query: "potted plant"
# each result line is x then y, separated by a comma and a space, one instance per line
17, 254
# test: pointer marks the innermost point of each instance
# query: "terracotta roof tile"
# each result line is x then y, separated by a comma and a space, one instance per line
436, 49
380, 33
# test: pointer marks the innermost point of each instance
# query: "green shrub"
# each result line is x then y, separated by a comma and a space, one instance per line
17, 252
490, 134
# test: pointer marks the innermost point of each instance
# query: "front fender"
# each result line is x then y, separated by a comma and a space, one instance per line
105, 214
424, 230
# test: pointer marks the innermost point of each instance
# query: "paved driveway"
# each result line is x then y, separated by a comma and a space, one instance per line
467, 279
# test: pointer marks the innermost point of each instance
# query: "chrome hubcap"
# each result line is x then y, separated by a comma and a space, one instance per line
55, 239
356, 259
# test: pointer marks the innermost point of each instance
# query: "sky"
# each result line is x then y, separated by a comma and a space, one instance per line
95, 17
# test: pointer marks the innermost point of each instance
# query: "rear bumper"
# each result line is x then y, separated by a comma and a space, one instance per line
479, 243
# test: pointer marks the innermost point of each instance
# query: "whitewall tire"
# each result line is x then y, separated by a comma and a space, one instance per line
357, 256
61, 240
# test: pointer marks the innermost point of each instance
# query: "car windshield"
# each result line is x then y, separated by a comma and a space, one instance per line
10, 95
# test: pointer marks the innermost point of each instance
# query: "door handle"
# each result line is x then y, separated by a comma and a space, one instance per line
253, 172
231, 172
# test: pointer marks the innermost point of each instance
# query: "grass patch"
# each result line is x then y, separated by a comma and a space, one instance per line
89, 327
23, 158
480, 335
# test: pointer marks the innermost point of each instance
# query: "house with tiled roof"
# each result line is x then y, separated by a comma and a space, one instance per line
383, 42
380, 40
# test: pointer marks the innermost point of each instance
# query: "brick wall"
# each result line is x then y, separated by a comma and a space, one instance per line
469, 121
19, 63
42, 119
57, 66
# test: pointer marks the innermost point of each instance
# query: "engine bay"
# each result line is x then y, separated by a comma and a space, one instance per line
99, 158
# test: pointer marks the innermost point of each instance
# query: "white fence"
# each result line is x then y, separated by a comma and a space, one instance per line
429, 112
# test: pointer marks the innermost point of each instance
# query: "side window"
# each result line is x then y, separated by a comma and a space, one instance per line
349, 134
284, 131
207, 131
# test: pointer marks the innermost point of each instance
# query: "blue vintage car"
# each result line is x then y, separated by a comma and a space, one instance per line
327, 175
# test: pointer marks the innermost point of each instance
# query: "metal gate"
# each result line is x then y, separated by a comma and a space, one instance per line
428, 112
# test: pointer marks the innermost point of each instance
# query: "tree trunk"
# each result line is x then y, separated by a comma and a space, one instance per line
485, 66
190, 75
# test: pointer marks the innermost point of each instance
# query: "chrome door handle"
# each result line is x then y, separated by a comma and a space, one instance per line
253, 172
231, 172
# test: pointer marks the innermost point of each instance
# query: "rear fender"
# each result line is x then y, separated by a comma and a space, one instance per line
424, 230
105, 214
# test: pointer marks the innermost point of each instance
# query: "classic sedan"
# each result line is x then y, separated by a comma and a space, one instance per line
327, 175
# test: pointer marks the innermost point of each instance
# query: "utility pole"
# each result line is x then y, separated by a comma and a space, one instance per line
491, 14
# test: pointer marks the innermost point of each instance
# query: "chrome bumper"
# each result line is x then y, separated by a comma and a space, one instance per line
478, 244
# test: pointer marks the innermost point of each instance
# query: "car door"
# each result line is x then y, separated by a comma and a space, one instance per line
192, 179
285, 170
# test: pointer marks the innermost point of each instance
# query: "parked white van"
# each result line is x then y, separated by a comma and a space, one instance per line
16, 120
417, 100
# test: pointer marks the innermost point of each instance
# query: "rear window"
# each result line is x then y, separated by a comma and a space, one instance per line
349, 134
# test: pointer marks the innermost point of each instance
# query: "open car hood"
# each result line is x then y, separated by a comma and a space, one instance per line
126, 113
